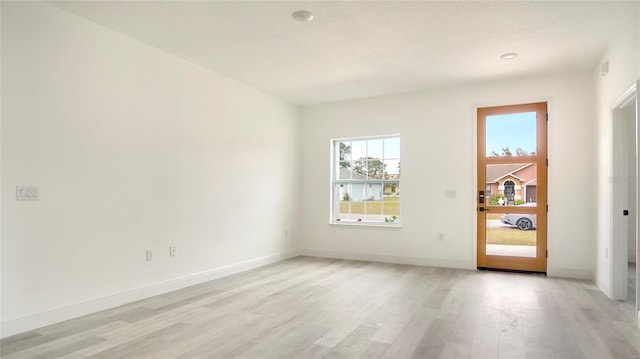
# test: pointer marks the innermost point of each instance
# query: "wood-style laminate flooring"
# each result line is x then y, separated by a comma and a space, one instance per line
325, 308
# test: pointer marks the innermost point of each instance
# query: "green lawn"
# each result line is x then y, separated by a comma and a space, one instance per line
390, 207
511, 236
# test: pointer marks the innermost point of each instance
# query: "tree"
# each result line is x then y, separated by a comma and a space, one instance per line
345, 150
506, 151
521, 152
369, 166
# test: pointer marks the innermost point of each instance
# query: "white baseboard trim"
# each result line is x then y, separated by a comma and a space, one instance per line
431, 262
21, 325
571, 273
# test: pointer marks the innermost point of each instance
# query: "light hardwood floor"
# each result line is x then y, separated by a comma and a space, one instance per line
323, 308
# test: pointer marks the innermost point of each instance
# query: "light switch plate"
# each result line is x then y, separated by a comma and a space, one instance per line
28, 193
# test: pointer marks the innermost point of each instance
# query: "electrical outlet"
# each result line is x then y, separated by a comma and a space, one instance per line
149, 256
172, 251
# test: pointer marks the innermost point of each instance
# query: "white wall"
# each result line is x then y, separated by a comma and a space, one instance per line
624, 70
133, 149
437, 131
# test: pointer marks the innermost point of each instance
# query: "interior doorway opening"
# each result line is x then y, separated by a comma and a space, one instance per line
624, 203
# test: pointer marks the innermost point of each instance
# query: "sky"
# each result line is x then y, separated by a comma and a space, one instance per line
513, 130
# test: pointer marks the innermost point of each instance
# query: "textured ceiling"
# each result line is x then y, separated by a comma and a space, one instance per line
361, 49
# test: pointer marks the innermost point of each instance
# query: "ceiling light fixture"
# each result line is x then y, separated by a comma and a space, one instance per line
509, 56
302, 15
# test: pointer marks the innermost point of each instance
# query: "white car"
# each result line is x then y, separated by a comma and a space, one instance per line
522, 221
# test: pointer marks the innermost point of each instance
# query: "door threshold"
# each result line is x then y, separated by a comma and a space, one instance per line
512, 271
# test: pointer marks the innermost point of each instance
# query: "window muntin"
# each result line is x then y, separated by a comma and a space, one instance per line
366, 180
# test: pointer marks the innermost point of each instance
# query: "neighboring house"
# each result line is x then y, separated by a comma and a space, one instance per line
370, 191
392, 189
516, 181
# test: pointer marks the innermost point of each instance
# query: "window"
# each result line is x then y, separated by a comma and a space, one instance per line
366, 180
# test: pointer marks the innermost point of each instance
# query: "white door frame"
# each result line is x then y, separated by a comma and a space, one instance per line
619, 189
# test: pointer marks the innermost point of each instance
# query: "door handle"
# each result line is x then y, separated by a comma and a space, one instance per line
482, 209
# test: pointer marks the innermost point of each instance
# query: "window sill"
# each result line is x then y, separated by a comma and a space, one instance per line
367, 225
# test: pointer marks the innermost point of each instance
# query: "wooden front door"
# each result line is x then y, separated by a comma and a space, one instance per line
512, 187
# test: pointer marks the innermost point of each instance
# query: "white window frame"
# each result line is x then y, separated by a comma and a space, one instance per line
365, 219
